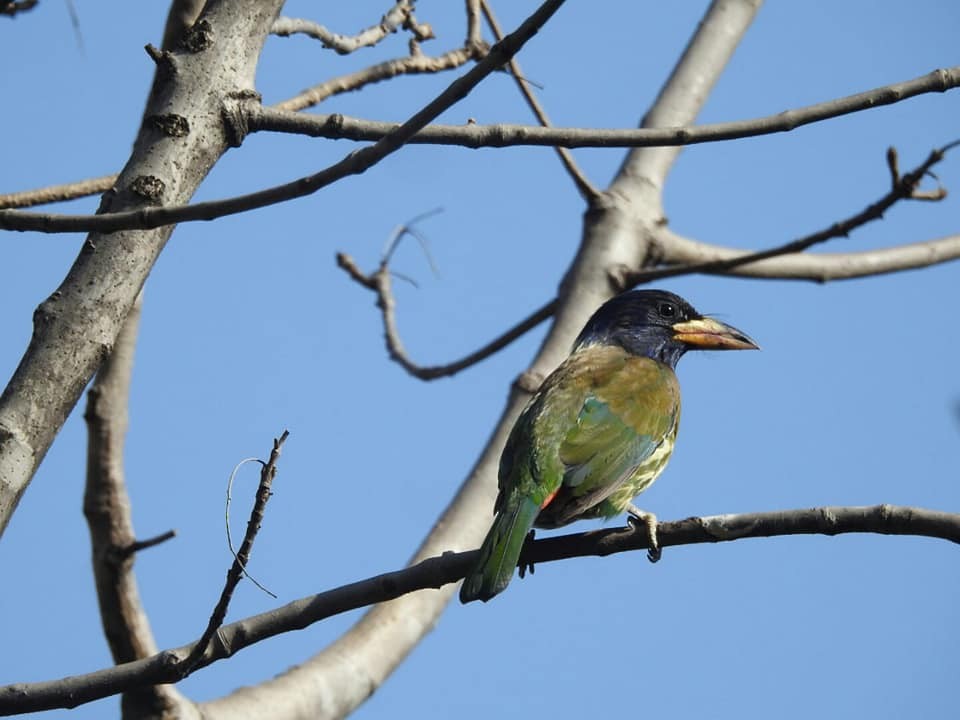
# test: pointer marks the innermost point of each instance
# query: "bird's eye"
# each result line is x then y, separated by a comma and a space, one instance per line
667, 310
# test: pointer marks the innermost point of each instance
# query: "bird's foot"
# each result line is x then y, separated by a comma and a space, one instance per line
637, 517
524, 566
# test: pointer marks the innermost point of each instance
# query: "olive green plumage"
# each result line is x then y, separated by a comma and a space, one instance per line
599, 430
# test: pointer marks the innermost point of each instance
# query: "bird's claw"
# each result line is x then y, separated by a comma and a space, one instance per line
638, 518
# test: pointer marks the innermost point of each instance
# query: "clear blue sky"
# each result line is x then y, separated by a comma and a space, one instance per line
249, 328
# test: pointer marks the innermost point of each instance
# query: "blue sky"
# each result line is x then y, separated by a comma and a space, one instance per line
249, 328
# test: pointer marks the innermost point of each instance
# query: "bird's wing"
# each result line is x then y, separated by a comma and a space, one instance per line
624, 417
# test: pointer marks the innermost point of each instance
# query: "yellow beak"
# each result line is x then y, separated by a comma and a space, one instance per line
709, 334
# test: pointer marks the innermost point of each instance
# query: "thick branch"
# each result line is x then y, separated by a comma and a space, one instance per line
435, 572
820, 267
180, 18
76, 327
113, 542
905, 187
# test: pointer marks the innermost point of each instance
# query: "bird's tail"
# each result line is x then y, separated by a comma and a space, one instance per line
500, 550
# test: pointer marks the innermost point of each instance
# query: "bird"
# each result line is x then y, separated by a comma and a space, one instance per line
599, 430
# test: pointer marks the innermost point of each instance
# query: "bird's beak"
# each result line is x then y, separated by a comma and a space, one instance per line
709, 334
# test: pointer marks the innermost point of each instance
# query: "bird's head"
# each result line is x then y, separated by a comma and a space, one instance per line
660, 325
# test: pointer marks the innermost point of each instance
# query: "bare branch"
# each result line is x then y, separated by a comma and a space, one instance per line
473, 135
819, 267
58, 193
586, 189
903, 188
380, 283
180, 18
106, 507
346, 44
240, 560
474, 31
76, 327
435, 572
147, 543
416, 63
354, 163
282, 118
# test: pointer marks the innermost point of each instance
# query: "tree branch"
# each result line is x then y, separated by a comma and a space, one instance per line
58, 193
353, 164
586, 189
180, 18
283, 118
906, 187
435, 572
76, 327
240, 561
337, 126
820, 267
415, 63
106, 507
395, 17
379, 282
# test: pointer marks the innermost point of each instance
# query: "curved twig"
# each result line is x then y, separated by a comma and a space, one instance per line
450, 567
240, 559
379, 282
346, 44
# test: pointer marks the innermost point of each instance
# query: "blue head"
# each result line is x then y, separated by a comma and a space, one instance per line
659, 325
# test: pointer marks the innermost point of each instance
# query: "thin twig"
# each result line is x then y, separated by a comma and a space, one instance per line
226, 520
58, 193
354, 163
584, 186
450, 567
416, 63
240, 559
346, 44
138, 545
